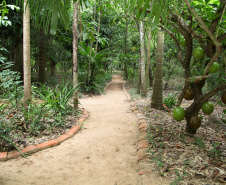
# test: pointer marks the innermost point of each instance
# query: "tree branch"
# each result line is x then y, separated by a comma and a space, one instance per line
203, 25
177, 43
213, 59
214, 91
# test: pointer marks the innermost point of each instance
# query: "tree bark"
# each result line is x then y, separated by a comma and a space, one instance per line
148, 57
125, 62
157, 96
75, 54
26, 55
142, 61
53, 68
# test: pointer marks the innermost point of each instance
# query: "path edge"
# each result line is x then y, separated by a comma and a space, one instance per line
144, 172
4, 156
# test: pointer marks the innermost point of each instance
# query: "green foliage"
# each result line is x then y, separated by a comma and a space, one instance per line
170, 101
9, 141
177, 181
200, 142
56, 98
215, 152
4, 10
10, 83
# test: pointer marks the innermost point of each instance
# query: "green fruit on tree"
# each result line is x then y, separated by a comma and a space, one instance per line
189, 94
183, 42
214, 68
223, 97
207, 108
178, 113
198, 53
194, 122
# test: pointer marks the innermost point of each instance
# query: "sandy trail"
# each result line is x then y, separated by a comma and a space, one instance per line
103, 153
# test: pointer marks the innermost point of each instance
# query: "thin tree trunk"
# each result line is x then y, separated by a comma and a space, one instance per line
19, 59
148, 57
98, 29
157, 96
125, 62
53, 68
42, 56
75, 57
139, 71
26, 55
80, 24
91, 48
142, 61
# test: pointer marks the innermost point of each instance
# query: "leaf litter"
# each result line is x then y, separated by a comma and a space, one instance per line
185, 158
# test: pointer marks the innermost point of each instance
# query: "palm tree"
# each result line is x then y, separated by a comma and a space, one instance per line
44, 14
157, 96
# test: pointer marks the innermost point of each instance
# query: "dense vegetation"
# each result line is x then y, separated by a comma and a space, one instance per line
112, 36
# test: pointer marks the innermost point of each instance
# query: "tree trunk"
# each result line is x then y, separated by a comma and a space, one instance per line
26, 55
148, 57
53, 68
125, 62
139, 75
150, 77
19, 59
42, 56
142, 61
157, 96
75, 54
98, 29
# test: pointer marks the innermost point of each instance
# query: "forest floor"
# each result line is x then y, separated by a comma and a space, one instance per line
104, 151
173, 153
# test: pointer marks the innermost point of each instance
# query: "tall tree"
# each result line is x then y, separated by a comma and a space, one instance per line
157, 96
125, 61
26, 54
142, 60
75, 55
148, 58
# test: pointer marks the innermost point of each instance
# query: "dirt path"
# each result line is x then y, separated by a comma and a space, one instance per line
103, 153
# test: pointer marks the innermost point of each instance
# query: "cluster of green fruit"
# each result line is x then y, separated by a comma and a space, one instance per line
199, 53
195, 121
207, 107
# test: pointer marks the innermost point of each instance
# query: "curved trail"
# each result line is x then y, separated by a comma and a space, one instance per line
103, 153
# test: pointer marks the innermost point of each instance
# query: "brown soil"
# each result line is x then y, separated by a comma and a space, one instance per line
102, 153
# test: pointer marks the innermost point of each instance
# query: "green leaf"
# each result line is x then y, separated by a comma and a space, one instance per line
160, 163
156, 20
54, 21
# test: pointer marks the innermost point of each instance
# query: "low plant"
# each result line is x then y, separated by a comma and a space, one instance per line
215, 152
56, 98
199, 142
170, 101
177, 181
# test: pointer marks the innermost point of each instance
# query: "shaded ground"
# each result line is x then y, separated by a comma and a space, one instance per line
103, 153
186, 159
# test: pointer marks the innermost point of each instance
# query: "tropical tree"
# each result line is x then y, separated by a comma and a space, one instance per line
200, 23
157, 96
26, 54
142, 60
75, 54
